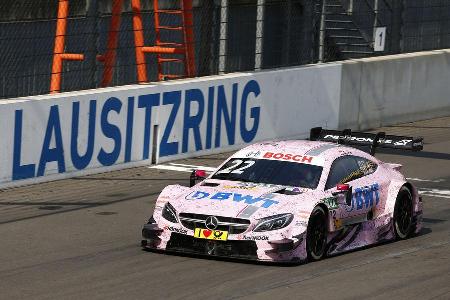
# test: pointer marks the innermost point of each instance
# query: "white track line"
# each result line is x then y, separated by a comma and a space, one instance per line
435, 193
181, 167
193, 166
426, 180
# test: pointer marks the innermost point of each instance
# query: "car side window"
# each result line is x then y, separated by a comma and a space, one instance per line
344, 169
366, 166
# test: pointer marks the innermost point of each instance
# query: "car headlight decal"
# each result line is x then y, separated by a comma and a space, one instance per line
274, 222
169, 213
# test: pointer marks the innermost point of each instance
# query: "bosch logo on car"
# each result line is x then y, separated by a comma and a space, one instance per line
288, 156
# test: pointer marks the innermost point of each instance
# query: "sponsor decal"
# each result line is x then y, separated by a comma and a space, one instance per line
289, 157
301, 223
353, 175
210, 234
235, 197
401, 143
365, 197
255, 238
253, 154
365, 168
175, 229
338, 223
331, 202
256, 184
369, 140
230, 187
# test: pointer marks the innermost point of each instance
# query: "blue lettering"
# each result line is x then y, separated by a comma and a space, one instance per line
129, 133
147, 102
111, 131
248, 135
82, 161
209, 118
368, 197
193, 121
52, 154
247, 199
221, 196
358, 198
20, 171
364, 198
229, 120
166, 148
235, 196
197, 195
376, 188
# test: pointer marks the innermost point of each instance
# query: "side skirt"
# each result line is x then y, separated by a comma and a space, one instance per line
362, 234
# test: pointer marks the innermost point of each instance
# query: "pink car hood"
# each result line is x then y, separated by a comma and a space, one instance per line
239, 200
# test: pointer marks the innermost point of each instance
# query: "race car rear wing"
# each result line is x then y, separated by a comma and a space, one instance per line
373, 140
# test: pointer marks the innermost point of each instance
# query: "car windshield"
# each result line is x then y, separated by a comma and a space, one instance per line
271, 172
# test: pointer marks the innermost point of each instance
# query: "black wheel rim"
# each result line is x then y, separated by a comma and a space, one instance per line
318, 236
404, 215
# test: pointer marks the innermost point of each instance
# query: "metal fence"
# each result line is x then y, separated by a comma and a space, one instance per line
226, 36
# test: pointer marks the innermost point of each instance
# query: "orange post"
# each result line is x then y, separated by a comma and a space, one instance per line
109, 58
189, 37
58, 52
158, 37
139, 41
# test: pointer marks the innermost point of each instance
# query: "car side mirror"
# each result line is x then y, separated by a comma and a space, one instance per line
344, 193
196, 175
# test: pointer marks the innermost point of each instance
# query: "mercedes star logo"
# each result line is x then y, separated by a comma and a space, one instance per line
211, 222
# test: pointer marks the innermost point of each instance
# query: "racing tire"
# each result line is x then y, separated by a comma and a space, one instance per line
316, 234
403, 214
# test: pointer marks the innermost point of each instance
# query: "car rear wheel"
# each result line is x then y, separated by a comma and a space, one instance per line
403, 212
316, 238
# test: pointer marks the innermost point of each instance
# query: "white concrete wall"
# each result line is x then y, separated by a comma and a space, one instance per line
395, 89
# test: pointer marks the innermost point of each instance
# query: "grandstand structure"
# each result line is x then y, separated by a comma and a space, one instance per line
66, 45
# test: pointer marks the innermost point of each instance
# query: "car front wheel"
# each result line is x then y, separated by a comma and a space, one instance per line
403, 212
316, 234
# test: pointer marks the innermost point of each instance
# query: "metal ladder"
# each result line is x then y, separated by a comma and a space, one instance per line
167, 51
344, 33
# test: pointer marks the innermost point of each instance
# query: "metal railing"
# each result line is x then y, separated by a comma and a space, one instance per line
227, 36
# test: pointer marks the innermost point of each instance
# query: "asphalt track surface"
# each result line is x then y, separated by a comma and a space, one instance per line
79, 239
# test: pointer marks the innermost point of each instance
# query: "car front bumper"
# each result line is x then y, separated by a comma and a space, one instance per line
284, 250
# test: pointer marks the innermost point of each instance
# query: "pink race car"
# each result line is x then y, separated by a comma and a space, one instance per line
291, 201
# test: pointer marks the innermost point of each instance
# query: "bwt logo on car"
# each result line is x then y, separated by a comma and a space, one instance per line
121, 129
365, 197
235, 197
